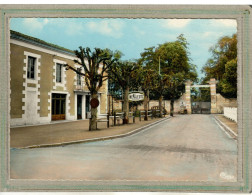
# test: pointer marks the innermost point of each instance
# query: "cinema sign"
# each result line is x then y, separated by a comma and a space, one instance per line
136, 96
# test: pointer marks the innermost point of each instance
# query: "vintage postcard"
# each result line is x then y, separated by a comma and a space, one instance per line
125, 98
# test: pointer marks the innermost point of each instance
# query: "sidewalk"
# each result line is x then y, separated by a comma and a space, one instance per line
69, 132
229, 125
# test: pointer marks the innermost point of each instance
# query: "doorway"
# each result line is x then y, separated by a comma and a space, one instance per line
87, 104
200, 100
79, 107
58, 106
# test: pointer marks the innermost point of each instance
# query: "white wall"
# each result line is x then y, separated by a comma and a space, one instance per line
231, 113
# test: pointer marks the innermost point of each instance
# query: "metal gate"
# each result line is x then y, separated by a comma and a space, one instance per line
201, 107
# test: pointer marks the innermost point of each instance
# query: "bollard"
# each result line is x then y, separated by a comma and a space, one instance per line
134, 115
139, 115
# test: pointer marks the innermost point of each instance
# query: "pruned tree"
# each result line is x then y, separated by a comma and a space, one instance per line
95, 65
144, 78
159, 85
123, 72
147, 73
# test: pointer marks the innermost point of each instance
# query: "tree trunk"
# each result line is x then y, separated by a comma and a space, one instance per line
126, 106
160, 105
145, 105
93, 125
171, 107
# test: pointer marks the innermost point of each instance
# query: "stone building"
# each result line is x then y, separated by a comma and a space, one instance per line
41, 89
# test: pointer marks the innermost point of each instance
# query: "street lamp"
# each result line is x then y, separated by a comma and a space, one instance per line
159, 65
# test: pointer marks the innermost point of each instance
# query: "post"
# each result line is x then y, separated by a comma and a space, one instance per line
124, 118
134, 115
159, 65
89, 124
139, 115
114, 118
146, 115
188, 96
109, 103
151, 114
212, 84
112, 104
108, 120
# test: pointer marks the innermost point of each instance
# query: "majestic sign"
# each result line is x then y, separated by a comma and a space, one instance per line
136, 96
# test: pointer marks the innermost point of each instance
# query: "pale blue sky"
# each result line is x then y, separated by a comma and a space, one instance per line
130, 36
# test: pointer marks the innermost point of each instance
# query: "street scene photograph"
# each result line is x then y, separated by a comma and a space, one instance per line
120, 99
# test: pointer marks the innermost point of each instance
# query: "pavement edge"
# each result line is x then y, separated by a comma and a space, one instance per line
95, 139
226, 128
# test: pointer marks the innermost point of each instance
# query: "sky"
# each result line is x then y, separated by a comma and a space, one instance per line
130, 36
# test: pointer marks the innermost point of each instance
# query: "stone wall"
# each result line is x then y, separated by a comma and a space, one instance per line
225, 102
117, 104
221, 102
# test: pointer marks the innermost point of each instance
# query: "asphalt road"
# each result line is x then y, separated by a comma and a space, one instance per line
183, 148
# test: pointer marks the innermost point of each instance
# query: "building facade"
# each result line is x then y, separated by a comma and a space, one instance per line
42, 90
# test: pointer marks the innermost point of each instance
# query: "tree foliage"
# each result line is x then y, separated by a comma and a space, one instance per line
223, 66
172, 59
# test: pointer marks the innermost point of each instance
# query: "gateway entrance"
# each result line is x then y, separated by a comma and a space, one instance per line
213, 105
201, 107
58, 106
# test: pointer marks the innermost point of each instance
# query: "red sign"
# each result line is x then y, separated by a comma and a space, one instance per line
94, 102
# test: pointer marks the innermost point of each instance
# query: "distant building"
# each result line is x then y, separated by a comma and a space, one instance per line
41, 89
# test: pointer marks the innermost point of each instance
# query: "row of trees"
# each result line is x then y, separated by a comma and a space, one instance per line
160, 73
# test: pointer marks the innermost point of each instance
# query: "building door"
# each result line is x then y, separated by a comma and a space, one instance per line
79, 106
87, 104
58, 106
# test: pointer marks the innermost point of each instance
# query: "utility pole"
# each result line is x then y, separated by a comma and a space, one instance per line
159, 64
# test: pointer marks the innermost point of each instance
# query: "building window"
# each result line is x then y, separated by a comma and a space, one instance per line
59, 73
31, 67
78, 76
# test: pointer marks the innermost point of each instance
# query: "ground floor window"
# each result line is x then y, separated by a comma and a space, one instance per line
58, 106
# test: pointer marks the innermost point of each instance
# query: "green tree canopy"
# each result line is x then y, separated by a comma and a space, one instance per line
223, 66
172, 59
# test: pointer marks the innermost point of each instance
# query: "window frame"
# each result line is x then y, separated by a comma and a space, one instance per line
79, 81
59, 75
29, 67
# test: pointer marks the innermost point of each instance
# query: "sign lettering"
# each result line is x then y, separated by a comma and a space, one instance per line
136, 96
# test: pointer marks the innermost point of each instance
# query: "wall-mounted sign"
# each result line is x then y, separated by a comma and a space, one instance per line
136, 96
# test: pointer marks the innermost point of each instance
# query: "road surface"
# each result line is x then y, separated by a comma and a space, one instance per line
183, 148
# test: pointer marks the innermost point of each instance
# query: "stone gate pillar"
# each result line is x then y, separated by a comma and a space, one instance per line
188, 96
212, 84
